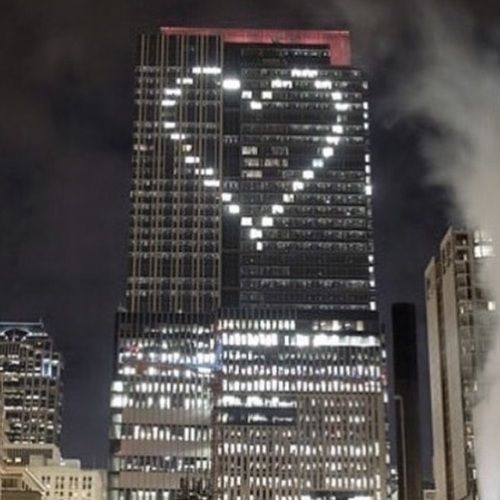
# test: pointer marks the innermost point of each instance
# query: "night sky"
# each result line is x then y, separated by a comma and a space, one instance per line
66, 97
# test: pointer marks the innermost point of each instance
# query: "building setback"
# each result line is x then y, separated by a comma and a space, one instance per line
32, 386
249, 362
459, 320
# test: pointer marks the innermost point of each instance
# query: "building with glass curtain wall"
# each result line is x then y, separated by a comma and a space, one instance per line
31, 370
249, 363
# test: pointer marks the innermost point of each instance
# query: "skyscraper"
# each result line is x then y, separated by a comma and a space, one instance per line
32, 387
459, 319
406, 388
249, 363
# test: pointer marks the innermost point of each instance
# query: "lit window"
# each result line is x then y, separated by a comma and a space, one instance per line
327, 152
278, 209
298, 186
177, 137
246, 221
234, 209
481, 251
168, 125
281, 84
187, 148
252, 174
249, 150
332, 139
267, 94
308, 174
323, 84
246, 94
302, 341
168, 102
342, 106
260, 246
184, 81
337, 129
267, 221
211, 183
227, 197
231, 84
255, 105
337, 96
288, 198
206, 70
369, 189
176, 92
318, 163
192, 159
305, 73
255, 233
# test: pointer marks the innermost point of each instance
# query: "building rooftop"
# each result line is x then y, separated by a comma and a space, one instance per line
339, 41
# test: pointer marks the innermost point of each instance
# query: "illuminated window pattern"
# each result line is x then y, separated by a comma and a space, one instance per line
161, 402
176, 179
30, 369
304, 205
302, 398
252, 191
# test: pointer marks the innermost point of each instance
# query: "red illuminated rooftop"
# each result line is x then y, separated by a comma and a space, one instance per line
339, 41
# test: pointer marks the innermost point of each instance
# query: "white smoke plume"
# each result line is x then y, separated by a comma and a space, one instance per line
451, 84
456, 87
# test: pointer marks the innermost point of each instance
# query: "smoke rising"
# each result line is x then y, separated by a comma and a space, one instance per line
456, 88
451, 86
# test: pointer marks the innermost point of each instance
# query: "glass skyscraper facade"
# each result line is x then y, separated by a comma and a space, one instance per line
32, 392
249, 363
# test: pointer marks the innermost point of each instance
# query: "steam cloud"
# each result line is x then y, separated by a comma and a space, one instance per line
457, 89
454, 89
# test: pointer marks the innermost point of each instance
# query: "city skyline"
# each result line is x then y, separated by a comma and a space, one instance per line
71, 278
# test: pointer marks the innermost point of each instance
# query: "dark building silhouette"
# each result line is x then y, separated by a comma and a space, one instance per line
406, 387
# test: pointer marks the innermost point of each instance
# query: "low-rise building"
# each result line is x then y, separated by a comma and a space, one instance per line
59, 478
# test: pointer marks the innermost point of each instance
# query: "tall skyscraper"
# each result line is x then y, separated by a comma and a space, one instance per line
249, 360
32, 387
406, 388
459, 319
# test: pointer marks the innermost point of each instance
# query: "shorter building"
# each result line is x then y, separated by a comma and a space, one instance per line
22, 454
18, 483
404, 331
460, 319
32, 386
61, 479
